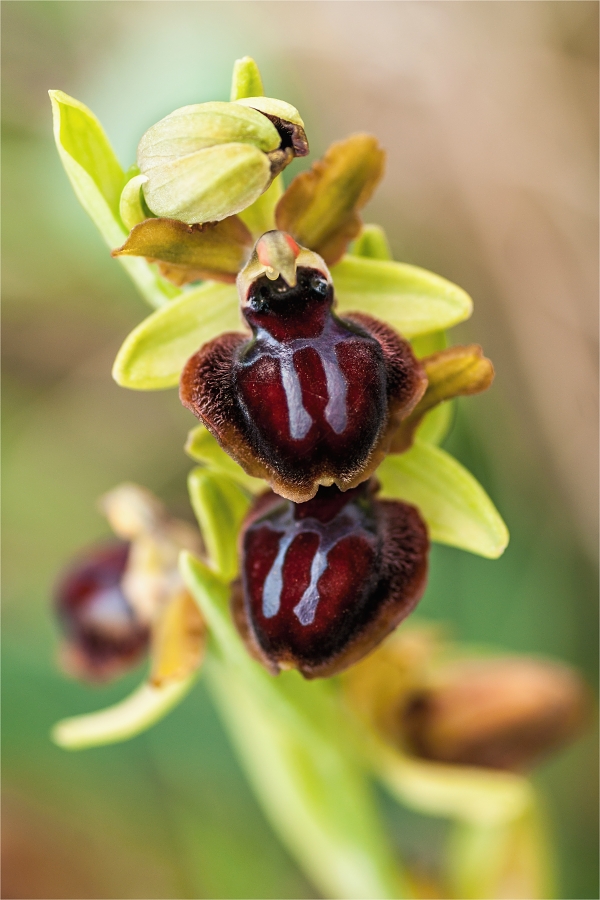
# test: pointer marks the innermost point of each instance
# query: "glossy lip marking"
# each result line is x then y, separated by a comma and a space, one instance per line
336, 413
344, 524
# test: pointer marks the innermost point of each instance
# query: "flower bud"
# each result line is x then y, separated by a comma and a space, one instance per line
210, 160
104, 634
323, 582
501, 713
310, 399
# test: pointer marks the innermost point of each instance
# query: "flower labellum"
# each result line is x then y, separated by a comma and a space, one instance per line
208, 161
309, 399
323, 582
104, 634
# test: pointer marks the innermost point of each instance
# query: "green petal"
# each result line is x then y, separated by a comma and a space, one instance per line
155, 352
295, 746
205, 449
220, 505
98, 180
410, 299
246, 80
117, 723
456, 508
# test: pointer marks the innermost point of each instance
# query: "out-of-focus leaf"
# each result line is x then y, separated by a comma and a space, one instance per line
246, 80
98, 180
372, 242
410, 299
291, 739
131, 207
260, 215
220, 505
217, 250
456, 508
456, 371
117, 723
320, 207
484, 796
204, 448
155, 352
178, 639
510, 859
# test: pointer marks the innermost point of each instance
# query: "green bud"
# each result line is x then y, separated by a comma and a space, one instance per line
211, 160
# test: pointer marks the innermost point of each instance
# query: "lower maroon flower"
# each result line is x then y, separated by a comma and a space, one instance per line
323, 582
104, 636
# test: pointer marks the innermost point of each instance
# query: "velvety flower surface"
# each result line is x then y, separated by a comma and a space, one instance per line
104, 634
310, 398
323, 582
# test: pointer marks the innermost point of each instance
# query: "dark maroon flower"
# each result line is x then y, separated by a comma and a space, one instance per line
310, 398
104, 636
323, 582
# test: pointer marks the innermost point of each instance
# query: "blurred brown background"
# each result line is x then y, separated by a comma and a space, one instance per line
488, 112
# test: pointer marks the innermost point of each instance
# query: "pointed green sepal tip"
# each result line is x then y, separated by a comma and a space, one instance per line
372, 243
220, 504
246, 80
136, 713
457, 510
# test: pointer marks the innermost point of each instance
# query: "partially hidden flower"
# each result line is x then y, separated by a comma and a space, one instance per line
440, 703
324, 581
208, 161
123, 600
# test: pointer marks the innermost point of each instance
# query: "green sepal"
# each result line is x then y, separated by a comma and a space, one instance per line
437, 423
246, 80
131, 206
260, 215
412, 300
455, 507
204, 448
296, 747
155, 352
131, 716
98, 181
372, 243
426, 344
220, 505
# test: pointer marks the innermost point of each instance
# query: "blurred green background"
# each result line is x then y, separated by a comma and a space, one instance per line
489, 116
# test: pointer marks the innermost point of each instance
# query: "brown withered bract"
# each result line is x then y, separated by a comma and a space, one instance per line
310, 398
423, 695
503, 713
323, 582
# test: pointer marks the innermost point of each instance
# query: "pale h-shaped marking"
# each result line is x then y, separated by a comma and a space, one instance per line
336, 411
344, 524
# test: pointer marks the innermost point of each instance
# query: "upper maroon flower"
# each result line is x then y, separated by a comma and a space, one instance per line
310, 399
324, 581
104, 633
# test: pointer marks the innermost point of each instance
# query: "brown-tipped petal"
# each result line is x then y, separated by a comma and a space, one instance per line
178, 640
454, 372
320, 207
502, 713
325, 581
215, 250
